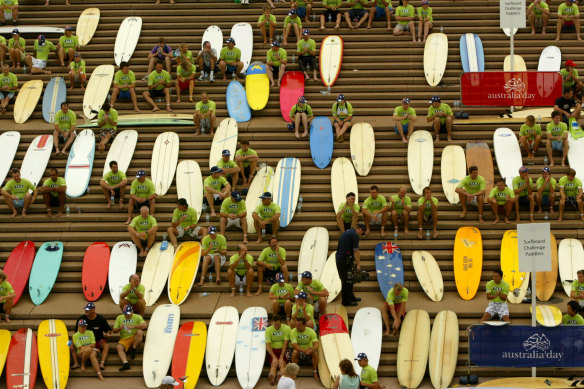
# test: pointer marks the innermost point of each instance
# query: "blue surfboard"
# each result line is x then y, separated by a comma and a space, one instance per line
55, 94
321, 141
472, 62
237, 106
287, 188
389, 266
45, 269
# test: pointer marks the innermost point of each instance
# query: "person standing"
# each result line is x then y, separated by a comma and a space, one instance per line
100, 328
214, 249
497, 291
142, 194
8, 86
395, 305
306, 50
131, 328
405, 120
271, 261
159, 84
53, 191
113, 185
133, 294
342, 117
348, 257
65, 122
6, 296
19, 193
85, 343
471, 190
277, 338
240, 270
247, 160
125, 86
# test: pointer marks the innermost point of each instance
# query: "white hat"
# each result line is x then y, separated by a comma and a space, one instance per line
168, 380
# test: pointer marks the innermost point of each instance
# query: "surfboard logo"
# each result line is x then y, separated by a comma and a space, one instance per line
468, 243
453, 181
127, 245
223, 323
169, 323
53, 335
259, 324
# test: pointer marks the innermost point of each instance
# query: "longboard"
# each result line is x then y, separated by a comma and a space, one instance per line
571, 259
507, 154
189, 184
443, 349
164, 161
36, 159
518, 281
547, 315
313, 251
94, 270
343, 181
366, 336
189, 352
335, 342
45, 269
546, 280
23, 360
98, 88
262, 182
250, 347
331, 59
122, 150
225, 139
291, 88
362, 147
321, 141
330, 277
26, 100
287, 188
257, 86
435, 58
452, 171
123, 262
550, 61
420, 160
468, 261
429, 275
87, 25
127, 39
183, 271
53, 353
80, 164
471, 53
243, 35
478, 154
8, 146
389, 266
221, 339
55, 94
155, 272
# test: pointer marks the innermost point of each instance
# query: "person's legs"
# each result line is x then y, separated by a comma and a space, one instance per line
205, 266
436, 126
150, 101
167, 98
104, 141
449, 128
104, 352
62, 56
68, 142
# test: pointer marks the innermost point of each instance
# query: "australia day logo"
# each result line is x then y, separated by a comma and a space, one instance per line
536, 347
515, 88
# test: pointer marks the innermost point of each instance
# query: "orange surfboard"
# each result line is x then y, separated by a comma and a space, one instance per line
478, 154
468, 261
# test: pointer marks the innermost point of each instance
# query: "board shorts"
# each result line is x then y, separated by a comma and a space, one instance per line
443, 129
571, 201
76, 76
376, 220
221, 258
182, 85
105, 131
18, 203
216, 199
523, 201
497, 309
473, 201
138, 205
6, 94
380, 12
2, 308
156, 93
192, 233
127, 342
306, 61
427, 217
275, 70
568, 25
301, 12
397, 308
270, 275
247, 170
54, 201
402, 27
39, 63
8, 15
240, 280
404, 126
501, 209
530, 143
330, 14
545, 199
356, 14
233, 222
124, 95
62, 138
100, 343
302, 357
557, 146
277, 353
268, 228
230, 69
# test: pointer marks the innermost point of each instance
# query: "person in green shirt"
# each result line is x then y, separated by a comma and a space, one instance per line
240, 270
68, 45
230, 59
107, 120
143, 229
375, 210
247, 160
125, 86
113, 185
65, 122
405, 15
38, 61
497, 291
19, 193
368, 372
557, 138
282, 296
6, 296
9, 11
234, 213
441, 116
395, 305
570, 194
84, 341
142, 193
405, 120
204, 115
277, 339
276, 61
572, 317
229, 167
425, 20
546, 191
348, 212
77, 72
133, 294
16, 48
402, 207
569, 75
266, 217
331, 12
267, 23
306, 50
342, 117
271, 261
524, 196
568, 18
184, 223
471, 190
214, 249
501, 198
292, 20
538, 9
131, 328
159, 83
577, 292
183, 53
427, 212
380, 9
315, 289
185, 78
302, 309
530, 136
357, 14
216, 188
8, 86
3, 47
53, 191
304, 346
301, 112
303, 8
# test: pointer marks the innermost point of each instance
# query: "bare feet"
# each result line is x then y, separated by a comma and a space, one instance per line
382, 232
463, 214
202, 282
50, 215
481, 220
435, 234
260, 290
24, 213
496, 220
419, 234
121, 204
260, 240
109, 205
248, 293
155, 109
7, 318
232, 294
14, 214
59, 214
245, 239
128, 221
100, 376
142, 253
75, 367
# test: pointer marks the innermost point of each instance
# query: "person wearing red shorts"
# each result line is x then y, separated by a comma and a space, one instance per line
101, 329
185, 79
395, 304
277, 339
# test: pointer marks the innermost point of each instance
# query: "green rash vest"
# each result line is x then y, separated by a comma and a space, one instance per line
548, 188
121, 322
473, 186
493, 287
123, 80
155, 78
19, 189
347, 214
373, 205
405, 12
442, 108
342, 111
571, 188
240, 269
141, 224
399, 111
144, 189
280, 291
277, 337
214, 245
501, 196
191, 217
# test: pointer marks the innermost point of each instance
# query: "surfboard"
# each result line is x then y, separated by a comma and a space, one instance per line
291, 88
429, 275
507, 154
496, 323
468, 261
443, 349
36, 158
26, 100
413, 348
366, 336
55, 94
478, 154
389, 266
452, 171
550, 61
262, 182
546, 280
575, 152
189, 351
87, 25
330, 277
94, 271
571, 259
528, 382
18, 266
545, 113
5, 339
221, 339
250, 346
313, 251
183, 271
189, 184
80, 163
155, 272
22, 362
330, 59
122, 265
237, 106
335, 342
435, 58
8, 146
97, 90
321, 141
257, 86
243, 35
33, 30
510, 268
518, 66
343, 181
214, 36
127, 38
159, 344
471, 53
420, 160
147, 119
121, 150
323, 371
510, 31
287, 188
53, 353
547, 315
362, 147
225, 139
44, 271
164, 160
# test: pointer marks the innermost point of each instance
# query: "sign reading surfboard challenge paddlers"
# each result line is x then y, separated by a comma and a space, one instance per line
512, 13
534, 244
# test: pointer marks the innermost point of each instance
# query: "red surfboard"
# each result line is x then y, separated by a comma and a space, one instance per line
331, 323
23, 360
18, 265
95, 269
189, 353
291, 88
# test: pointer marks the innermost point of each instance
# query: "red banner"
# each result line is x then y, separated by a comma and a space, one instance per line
504, 89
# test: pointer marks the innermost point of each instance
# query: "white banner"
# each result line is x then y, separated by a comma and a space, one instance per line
534, 243
512, 13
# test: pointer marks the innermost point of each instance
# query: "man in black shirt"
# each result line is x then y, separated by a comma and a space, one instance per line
568, 106
348, 257
100, 327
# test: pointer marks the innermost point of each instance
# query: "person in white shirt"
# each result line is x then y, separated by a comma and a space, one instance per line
288, 380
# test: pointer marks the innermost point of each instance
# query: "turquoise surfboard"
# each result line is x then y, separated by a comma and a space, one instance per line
44, 271
237, 106
55, 94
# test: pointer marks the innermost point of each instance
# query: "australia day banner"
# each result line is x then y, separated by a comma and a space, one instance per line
524, 346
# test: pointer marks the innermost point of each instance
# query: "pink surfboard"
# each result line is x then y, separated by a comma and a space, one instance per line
291, 88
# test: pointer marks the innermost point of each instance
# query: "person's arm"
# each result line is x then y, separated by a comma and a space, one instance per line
357, 256
277, 216
141, 326
337, 382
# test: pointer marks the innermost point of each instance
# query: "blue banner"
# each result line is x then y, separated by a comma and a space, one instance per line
524, 346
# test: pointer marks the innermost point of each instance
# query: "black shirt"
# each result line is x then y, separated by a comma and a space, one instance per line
99, 326
566, 104
348, 242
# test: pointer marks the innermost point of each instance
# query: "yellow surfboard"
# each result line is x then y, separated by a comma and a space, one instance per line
257, 86
518, 281
468, 261
4, 345
27, 99
189, 352
53, 353
546, 280
86, 25
183, 271
547, 315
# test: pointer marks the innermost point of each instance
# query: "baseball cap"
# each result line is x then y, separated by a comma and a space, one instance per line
15, 31
128, 309
341, 97
182, 202
236, 196
523, 169
168, 380
266, 195
435, 99
141, 173
424, 2
216, 169
302, 295
306, 32
275, 44
406, 100
362, 356
360, 225
293, 12
306, 274
301, 99
546, 169
571, 63
212, 230
230, 40
280, 277
226, 152
68, 28
76, 55
89, 306
82, 323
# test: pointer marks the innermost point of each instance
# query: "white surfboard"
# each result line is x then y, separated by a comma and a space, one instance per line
287, 188
189, 184
550, 60
443, 353
262, 182
575, 153
471, 49
86, 25
221, 339
412, 353
159, 344
225, 139
80, 163
33, 30
435, 58
343, 181
121, 150
570, 260
127, 39
155, 272
243, 35
122, 265
331, 59
313, 251
366, 336
362, 147
508, 154
452, 171
250, 347
510, 31
36, 158
213, 35
330, 277
97, 90
420, 160
8, 146
429, 275
164, 160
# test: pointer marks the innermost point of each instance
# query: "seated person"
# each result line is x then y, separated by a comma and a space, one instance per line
10, 12
216, 189
405, 120
282, 296
497, 291
113, 185
184, 223
159, 83
405, 14
131, 328
546, 190
304, 346
159, 53
133, 294
277, 339
570, 194
331, 13
84, 342
557, 138
317, 293
530, 136
425, 20
375, 211
206, 59
271, 261
276, 61
294, 23
240, 270
214, 249
234, 213
538, 9
524, 197
301, 112
471, 190
572, 317
143, 230
395, 304
306, 50
568, 106
125, 86
402, 206
302, 309
568, 18
348, 213
342, 117
185, 79
569, 75
380, 9
247, 160
77, 72
441, 116
53, 191
501, 199
229, 167
8, 86
357, 14
19, 193
16, 48
427, 211
65, 121
230, 59
68, 45
6, 296
266, 217
142, 193
303, 8
204, 115
577, 292
267, 24
107, 120
38, 61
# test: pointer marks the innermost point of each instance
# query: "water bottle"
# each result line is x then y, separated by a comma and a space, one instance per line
207, 217
210, 277
330, 18
395, 235
539, 119
290, 277
205, 294
314, 17
300, 201
112, 199
24, 69
204, 208
545, 160
308, 67
263, 231
68, 210
202, 124
441, 29
78, 209
241, 290
428, 234
293, 58
546, 217
164, 244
